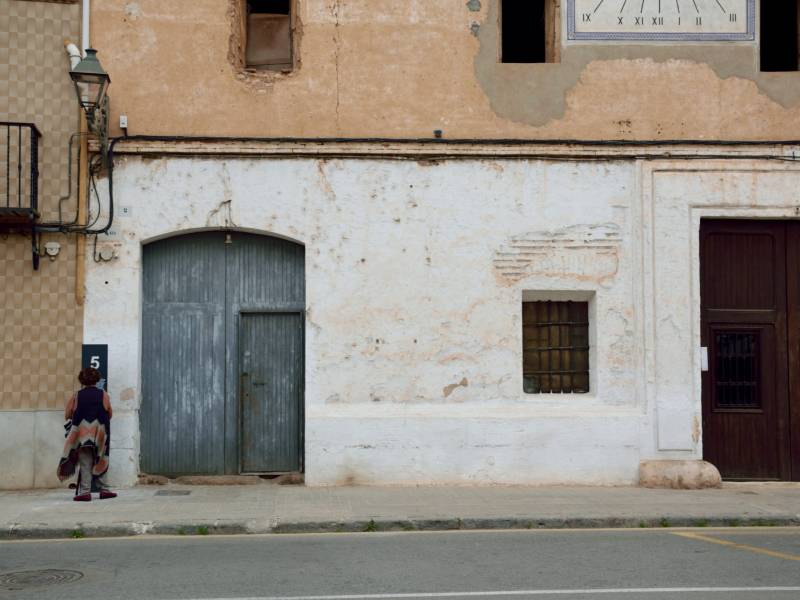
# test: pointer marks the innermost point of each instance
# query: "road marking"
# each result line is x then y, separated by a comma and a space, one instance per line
154, 537
705, 538
584, 592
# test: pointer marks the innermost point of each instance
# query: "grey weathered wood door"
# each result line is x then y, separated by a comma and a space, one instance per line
271, 386
201, 292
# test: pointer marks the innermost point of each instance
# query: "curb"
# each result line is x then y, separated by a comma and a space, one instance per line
17, 531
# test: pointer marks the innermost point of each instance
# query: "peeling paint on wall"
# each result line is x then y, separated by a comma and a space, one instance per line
449, 389
659, 90
582, 252
389, 69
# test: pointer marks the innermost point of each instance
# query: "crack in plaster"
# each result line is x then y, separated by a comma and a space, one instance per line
337, 41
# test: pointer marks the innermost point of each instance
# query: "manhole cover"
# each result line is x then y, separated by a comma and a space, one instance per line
25, 579
173, 492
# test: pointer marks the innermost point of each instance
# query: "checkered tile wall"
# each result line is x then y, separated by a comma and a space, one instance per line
40, 323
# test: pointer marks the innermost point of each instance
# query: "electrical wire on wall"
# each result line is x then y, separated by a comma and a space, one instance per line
93, 188
61, 224
95, 166
109, 161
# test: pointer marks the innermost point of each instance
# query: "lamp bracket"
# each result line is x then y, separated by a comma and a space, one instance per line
97, 121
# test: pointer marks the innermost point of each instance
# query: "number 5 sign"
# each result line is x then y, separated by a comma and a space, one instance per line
96, 356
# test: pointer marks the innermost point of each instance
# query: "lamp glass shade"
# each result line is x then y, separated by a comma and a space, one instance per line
91, 81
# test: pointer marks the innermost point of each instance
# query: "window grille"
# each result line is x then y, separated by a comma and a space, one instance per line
555, 347
736, 380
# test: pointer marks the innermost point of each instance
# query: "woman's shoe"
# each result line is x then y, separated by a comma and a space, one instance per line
82, 498
106, 495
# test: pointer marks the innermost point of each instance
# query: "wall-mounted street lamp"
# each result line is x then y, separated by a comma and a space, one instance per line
91, 83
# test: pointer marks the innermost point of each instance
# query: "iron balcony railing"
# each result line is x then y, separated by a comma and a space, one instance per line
19, 164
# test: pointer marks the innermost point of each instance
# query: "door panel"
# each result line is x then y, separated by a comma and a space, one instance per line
181, 415
743, 313
742, 372
183, 320
263, 273
271, 359
743, 274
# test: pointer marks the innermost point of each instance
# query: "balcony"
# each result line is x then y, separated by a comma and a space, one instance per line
19, 165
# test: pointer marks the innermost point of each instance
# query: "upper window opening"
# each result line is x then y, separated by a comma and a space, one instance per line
530, 31
780, 35
269, 34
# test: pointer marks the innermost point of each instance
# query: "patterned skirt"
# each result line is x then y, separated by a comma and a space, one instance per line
92, 435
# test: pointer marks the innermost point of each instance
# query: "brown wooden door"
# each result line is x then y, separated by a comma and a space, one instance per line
743, 273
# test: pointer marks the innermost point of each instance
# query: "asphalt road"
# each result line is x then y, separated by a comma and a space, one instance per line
664, 564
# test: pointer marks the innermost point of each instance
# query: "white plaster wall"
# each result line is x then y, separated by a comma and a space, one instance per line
417, 257
415, 273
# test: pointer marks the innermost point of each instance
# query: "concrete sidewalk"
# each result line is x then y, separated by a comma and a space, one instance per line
269, 508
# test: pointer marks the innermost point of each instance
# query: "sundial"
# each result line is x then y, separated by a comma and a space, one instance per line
661, 20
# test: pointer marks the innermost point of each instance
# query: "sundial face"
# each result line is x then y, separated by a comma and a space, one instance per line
661, 20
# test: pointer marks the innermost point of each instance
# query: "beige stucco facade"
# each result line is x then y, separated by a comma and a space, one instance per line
379, 68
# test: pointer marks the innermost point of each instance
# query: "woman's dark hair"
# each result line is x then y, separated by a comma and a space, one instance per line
89, 376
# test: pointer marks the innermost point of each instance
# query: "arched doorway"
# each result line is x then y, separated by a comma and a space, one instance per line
222, 354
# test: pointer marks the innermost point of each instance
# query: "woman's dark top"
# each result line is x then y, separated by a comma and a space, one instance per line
89, 407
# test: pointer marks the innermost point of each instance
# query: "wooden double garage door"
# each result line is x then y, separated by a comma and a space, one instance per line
222, 355
750, 313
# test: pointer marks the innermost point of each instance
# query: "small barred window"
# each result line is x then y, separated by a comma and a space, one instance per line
555, 347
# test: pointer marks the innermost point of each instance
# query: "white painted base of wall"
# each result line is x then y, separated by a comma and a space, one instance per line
31, 443
472, 451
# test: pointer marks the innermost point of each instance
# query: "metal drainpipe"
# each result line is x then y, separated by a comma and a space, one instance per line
85, 26
83, 175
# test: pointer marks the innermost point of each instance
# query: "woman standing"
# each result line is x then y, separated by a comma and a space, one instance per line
88, 440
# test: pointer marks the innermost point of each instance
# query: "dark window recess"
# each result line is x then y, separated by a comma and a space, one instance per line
555, 347
269, 7
269, 34
736, 369
523, 31
780, 37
